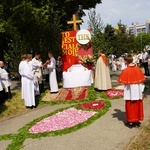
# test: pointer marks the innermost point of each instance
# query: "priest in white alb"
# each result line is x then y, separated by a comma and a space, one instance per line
21, 67
102, 74
28, 91
52, 74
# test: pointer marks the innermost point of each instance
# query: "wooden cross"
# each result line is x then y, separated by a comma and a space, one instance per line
74, 22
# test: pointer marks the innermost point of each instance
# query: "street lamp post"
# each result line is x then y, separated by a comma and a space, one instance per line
141, 42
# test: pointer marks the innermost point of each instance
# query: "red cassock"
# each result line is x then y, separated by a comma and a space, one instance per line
133, 75
134, 110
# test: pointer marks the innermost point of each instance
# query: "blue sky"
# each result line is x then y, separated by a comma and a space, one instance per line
128, 11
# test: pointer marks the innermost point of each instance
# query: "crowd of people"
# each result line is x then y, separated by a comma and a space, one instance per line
139, 59
31, 71
132, 77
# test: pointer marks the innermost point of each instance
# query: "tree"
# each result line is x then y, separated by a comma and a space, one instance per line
95, 23
121, 40
109, 36
142, 40
36, 25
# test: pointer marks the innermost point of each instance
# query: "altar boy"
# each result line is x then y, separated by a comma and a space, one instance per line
133, 78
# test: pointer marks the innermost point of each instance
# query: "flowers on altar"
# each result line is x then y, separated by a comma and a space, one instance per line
87, 59
61, 120
114, 93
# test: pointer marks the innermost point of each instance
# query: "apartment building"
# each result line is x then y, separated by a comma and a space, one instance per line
137, 28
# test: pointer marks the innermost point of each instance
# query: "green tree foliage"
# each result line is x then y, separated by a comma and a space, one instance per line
142, 40
36, 25
96, 24
113, 40
109, 36
121, 43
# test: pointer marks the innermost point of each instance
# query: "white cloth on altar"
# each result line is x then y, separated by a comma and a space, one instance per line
77, 76
133, 91
52, 75
77, 67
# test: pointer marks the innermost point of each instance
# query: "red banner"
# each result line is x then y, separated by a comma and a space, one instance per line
69, 49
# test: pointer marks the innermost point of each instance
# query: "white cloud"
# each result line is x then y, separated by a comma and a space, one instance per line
128, 11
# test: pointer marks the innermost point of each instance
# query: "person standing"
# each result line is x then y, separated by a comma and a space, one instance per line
28, 91
102, 74
5, 81
37, 68
145, 57
52, 74
132, 78
2, 92
21, 67
59, 69
114, 65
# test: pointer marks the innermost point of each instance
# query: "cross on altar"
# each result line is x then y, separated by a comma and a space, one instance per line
74, 21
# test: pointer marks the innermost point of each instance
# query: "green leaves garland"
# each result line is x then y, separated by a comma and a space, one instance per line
23, 133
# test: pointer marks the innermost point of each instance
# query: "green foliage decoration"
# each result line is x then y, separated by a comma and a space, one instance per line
18, 139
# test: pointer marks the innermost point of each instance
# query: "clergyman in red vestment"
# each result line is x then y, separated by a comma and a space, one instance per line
132, 77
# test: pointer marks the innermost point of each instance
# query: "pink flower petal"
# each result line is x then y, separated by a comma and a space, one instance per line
61, 120
114, 93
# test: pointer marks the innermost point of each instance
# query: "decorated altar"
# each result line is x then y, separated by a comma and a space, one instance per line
77, 56
76, 76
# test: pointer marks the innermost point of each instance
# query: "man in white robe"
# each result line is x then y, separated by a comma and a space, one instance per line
21, 67
5, 81
37, 69
1, 89
52, 74
29, 95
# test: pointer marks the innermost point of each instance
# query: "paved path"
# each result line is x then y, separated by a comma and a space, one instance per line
106, 133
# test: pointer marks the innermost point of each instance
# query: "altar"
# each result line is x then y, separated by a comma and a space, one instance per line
76, 76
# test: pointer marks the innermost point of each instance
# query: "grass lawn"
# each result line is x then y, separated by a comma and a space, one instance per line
14, 106
143, 141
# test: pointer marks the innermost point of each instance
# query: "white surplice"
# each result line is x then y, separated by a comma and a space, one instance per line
133, 91
29, 96
21, 67
37, 67
36, 84
5, 79
1, 85
52, 75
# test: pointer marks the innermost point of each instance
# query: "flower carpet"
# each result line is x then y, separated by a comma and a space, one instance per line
114, 93
95, 105
67, 94
61, 120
